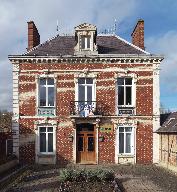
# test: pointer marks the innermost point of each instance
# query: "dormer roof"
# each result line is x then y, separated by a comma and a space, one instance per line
85, 26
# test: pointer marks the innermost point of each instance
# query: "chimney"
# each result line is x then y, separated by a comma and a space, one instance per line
138, 34
33, 35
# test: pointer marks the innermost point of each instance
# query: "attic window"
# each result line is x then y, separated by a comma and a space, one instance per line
85, 42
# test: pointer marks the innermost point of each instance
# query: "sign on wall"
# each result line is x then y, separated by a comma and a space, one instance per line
106, 127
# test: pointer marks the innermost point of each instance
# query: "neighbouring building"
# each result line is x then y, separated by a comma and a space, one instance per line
168, 142
86, 98
5, 135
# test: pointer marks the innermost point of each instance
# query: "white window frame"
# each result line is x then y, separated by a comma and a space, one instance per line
85, 85
132, 92
85, 42
54, 140
132, 140
46, 86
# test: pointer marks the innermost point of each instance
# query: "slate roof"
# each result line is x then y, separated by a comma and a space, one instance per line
170, 125
64, 45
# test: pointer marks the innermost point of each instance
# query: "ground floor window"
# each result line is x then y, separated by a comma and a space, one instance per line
126, 140
46, 140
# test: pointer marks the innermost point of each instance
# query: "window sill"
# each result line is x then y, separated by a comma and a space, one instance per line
46, 155
126, 155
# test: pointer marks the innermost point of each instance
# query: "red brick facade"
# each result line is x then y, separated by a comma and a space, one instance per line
106, 94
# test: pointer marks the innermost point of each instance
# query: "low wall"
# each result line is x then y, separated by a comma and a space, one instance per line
6, 166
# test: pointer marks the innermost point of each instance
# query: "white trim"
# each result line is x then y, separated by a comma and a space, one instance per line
133, 97
96, 143
124, 123
37, 81
156, 111
37, 142
75, 145
132, 140
47, 133
15, 118
125, 41
34, 48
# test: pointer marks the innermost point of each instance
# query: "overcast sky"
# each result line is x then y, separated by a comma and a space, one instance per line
160, 32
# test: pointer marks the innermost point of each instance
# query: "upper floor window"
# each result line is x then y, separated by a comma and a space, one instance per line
124, 91
85, 89
85, 42
46, 92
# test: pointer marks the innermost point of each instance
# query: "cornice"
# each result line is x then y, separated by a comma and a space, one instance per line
101, 58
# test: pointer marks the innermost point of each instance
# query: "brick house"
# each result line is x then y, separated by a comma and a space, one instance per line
168, 142
88, 98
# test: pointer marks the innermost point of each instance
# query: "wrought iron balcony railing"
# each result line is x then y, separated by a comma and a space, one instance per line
86, 108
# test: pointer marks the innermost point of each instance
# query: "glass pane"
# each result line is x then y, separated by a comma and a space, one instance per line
50, 129
121, 142
128, 95
89, 81
121, 129
120, 81
88, 42
81, 93
50, 142
80, 143
128, 143
89, 93
50, 81
50, 96
42, 96
42, 81
128, 129
42, 129
120, 95
128, 81
82, 42
90, 143
81, 80
42, 142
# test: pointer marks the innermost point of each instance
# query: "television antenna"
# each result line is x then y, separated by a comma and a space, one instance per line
115, 26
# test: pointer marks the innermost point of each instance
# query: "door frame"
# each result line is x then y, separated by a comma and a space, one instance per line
75, 143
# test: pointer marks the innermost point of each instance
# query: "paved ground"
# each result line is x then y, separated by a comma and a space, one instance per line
135, 178
137, 184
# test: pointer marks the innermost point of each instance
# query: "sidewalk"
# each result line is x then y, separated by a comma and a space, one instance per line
137, 184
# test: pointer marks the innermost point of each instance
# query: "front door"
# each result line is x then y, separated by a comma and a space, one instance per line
86, 153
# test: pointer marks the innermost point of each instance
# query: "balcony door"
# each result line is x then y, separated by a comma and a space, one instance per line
86, 140
86, 96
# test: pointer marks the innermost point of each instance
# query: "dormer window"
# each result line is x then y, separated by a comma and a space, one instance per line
85, 35
85, 42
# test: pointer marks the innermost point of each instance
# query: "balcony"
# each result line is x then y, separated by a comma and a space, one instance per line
87, 108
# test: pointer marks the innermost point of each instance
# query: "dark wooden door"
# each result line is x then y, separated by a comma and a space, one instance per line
86, 153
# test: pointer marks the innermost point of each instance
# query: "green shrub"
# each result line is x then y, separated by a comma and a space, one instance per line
86, 175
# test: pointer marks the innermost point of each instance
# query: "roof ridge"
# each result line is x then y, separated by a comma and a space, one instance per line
41, 44
136, 47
